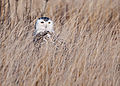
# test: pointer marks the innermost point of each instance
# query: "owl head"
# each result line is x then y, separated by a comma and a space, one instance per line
44, 24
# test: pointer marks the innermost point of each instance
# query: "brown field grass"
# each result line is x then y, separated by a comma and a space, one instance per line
86, 51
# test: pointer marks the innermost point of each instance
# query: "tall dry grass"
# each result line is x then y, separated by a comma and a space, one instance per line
86, 50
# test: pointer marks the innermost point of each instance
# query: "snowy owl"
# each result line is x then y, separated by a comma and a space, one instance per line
44, 26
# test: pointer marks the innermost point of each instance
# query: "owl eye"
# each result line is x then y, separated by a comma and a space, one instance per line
42, 22
48, 22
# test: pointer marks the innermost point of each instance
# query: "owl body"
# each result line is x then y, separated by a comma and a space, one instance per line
44, 24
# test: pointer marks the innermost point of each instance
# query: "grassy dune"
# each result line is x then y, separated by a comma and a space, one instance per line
86, 48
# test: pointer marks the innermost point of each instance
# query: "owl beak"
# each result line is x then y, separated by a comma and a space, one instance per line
45, 26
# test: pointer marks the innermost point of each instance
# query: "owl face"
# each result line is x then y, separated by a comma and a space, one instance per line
44, 24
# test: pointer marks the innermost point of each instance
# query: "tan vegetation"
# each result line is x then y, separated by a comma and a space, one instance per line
86, 51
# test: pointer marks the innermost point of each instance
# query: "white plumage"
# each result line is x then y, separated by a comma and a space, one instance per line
44, 24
